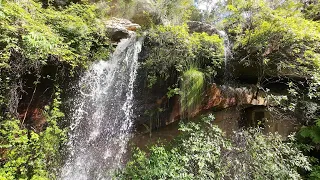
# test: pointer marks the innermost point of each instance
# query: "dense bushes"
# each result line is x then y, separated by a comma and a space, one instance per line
30, 32
25, 154
309, 137
312, 9
31, 36
173, 50
203, 152
274, 36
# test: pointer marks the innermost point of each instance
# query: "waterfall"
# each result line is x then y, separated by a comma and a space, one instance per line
227, 50
227, 56
102, 115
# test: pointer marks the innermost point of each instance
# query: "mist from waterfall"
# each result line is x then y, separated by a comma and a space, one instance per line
102, 115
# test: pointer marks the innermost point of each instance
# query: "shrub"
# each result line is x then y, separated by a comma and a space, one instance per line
25, 154
174, 50
203, 152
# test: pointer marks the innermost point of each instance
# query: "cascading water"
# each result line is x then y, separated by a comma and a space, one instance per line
227, 53
228, 77
102, 114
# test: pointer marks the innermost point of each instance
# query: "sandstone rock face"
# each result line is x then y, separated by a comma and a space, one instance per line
120, 28
229, 120
233, 108
222, 97
34, 117
217, 98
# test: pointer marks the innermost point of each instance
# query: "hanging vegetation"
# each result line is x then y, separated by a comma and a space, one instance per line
173, 50
192, 85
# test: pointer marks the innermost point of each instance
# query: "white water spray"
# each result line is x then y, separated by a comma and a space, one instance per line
102, 117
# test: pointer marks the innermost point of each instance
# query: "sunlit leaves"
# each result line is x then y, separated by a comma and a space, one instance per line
72, 34
28, 155
174, 50
277, 31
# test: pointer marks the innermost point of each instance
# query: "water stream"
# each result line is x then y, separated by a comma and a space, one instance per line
227, 55
102, 115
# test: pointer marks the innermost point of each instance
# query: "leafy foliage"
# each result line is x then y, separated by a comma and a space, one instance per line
25, 154
260, 156
32, 36
203, 152
174, 50
312, 9
74, 34
174, 12
315, 174
197, 154
275, 35
310, 141
312, 132
281, 39
150, 13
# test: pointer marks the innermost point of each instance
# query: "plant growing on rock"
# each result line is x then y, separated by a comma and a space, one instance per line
74, 34
192, 85
172, 49
276, 36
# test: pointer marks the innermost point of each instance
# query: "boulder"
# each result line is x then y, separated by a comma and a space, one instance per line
118, 28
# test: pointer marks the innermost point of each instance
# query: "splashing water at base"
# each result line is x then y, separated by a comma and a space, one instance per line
102, 114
